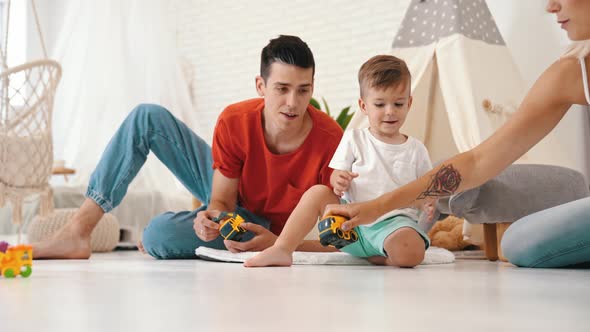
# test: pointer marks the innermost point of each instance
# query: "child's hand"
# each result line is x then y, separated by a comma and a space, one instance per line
429, 208
341, 180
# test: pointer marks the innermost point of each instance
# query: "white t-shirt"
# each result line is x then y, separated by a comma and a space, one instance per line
382, 167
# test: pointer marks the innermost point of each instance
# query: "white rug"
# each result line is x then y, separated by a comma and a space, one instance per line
434, 255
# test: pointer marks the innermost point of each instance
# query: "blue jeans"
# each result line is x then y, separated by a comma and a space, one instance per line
556, 237
153, 128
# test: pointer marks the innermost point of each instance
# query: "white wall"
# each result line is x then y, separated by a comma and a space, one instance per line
223, 40
536, 41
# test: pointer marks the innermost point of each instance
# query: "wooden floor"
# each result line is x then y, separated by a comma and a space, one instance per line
127, 291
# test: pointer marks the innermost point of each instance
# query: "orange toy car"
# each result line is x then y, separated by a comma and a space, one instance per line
16, 260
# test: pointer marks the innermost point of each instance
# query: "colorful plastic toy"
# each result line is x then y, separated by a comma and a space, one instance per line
331, 233
3, 246
16, 260
230, 228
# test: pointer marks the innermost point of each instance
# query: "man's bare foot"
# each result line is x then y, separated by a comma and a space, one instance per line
72, 241
140, 247
272, 256
67, 243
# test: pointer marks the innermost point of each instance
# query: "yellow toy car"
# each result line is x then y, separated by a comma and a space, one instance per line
331, 233
229, 227
16, 260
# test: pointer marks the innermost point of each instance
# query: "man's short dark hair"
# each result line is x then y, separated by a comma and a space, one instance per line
289, 50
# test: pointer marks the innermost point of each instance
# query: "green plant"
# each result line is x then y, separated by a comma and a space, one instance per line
343, 118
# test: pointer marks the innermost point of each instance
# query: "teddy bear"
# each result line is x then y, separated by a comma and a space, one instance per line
448, 233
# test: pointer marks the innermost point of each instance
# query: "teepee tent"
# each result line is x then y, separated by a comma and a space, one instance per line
464, 81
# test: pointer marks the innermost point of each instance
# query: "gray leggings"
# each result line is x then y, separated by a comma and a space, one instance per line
556, 237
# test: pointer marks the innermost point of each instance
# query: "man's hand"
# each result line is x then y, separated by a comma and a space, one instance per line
357, 213
340, 181
206, 229
263, 239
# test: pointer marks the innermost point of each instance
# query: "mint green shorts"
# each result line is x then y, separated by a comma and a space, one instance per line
372, 238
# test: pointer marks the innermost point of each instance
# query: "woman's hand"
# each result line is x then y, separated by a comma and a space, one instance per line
357, 213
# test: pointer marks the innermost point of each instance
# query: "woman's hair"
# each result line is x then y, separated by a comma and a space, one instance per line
578, 49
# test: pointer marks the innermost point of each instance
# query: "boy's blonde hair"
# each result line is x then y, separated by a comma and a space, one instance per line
382, 72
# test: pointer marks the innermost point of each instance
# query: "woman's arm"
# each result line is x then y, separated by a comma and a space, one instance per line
544, 106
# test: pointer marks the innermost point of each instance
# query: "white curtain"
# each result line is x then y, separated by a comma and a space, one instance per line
115, 54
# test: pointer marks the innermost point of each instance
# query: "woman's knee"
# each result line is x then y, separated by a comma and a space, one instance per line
404, 248
550, 238
517, 248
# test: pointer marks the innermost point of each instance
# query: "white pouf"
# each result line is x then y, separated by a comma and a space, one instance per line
104, 237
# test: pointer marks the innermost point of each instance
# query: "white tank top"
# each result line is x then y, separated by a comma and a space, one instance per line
585, 80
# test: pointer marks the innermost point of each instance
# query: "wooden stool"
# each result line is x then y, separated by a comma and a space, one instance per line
492, 235
63, 171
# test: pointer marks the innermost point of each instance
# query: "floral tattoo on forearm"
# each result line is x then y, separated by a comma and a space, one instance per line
444, 183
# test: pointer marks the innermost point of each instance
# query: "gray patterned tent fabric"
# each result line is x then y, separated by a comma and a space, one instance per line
428, 21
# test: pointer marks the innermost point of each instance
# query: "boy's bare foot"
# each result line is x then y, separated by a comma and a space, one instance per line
377, 260
67, 243
272, 256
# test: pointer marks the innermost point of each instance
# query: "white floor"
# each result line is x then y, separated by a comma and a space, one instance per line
126, 291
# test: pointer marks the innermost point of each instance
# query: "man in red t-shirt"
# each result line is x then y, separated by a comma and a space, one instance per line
266, 153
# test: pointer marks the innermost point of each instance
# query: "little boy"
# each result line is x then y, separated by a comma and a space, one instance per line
368, 163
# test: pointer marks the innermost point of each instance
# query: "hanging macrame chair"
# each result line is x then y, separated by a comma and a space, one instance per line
26, 147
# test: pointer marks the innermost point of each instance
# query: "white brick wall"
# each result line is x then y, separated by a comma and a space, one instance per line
223, 40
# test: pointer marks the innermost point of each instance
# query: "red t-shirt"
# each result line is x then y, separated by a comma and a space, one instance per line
270, 184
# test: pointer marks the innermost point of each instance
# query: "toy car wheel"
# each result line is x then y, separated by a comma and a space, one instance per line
324, 242
353, 236
340, 233
9, 273
26, 271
